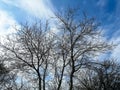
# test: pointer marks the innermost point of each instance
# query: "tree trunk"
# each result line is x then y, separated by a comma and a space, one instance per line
60, 81
72, 74
44, 83
39, 83
71, 80
44, 76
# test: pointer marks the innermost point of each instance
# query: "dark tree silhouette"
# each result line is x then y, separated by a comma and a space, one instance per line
30, 48
55, 60
104, 75
79, 42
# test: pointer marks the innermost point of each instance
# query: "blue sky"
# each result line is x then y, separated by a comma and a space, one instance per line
107, 12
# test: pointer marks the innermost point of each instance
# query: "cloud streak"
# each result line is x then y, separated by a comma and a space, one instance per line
37, 8
101, 3
6, 23
116, 51
42, 9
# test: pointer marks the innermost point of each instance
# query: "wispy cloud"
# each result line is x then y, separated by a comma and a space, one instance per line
37, 8
116, 51
6, 23
101, 3
42, 9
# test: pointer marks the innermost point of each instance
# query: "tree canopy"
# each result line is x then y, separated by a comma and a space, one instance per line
60, 61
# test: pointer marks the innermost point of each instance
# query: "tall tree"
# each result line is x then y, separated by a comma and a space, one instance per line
30, 48
102, 75
55, 59
79, 41
6, 77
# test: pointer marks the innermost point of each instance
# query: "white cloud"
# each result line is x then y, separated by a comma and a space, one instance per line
116, 51
6, 23
101, 3
42, 9
38, 8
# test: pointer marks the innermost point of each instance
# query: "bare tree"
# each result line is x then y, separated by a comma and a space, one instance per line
4, 75
56, 59
102, 75
80, 41
30, 49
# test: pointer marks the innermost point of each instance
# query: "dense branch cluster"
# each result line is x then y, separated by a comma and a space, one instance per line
66, 60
